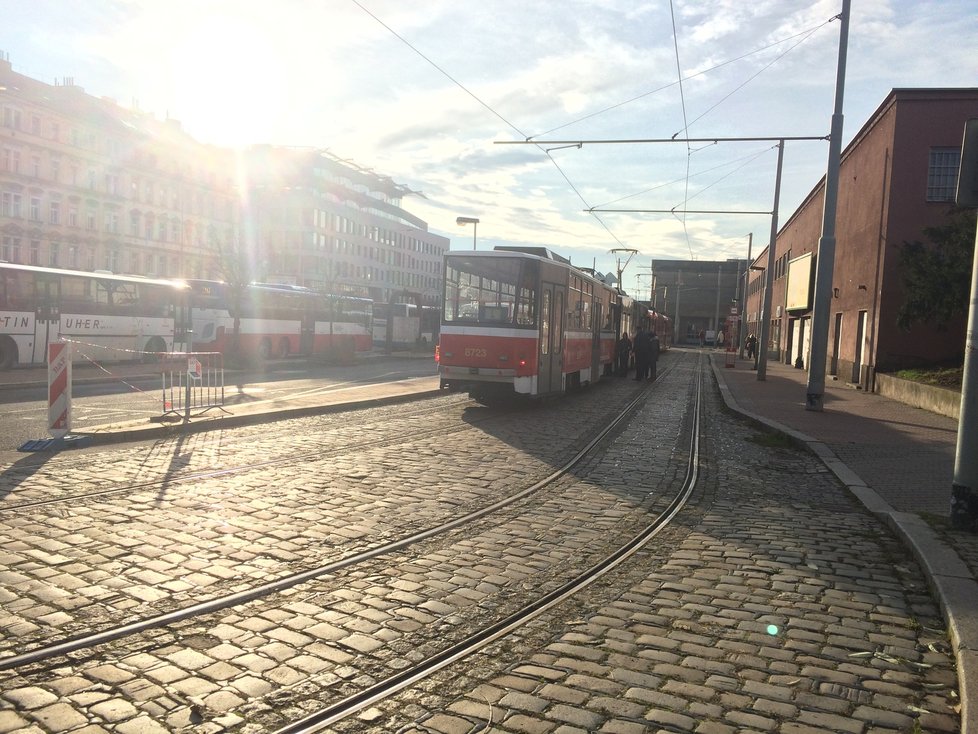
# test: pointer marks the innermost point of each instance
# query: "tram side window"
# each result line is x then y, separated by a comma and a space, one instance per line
526, 301
486, 292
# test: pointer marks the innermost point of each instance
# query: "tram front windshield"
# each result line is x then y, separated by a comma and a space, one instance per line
500, 291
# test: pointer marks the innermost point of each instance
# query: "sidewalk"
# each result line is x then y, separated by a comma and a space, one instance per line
898, 461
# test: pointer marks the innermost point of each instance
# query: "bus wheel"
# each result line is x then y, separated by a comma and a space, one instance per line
265, 349
153, 351
8, 353
283, 348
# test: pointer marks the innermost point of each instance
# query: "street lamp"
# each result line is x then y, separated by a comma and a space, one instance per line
462, 221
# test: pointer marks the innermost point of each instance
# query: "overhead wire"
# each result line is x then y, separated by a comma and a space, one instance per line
680, 78
807, 33
682, 99
748, 158
492, 111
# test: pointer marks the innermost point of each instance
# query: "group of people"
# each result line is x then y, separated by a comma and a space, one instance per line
645, 349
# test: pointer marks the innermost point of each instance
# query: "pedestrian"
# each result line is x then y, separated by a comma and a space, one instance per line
642, 349
751, 345
702, 338
653, 355
720, 339
624, 354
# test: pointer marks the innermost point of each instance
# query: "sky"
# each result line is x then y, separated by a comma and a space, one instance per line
442, 95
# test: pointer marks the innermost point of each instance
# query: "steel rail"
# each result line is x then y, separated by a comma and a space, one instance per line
317, 721
73, 644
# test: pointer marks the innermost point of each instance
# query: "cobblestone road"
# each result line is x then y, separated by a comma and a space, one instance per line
775, 604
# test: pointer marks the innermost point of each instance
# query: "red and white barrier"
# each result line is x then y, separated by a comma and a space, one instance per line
59, 389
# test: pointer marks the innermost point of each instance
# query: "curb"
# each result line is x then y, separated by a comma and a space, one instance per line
948, 576
107, 435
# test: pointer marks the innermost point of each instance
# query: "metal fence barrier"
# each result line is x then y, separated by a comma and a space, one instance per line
193, 383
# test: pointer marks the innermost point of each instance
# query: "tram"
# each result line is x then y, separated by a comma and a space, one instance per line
523, 321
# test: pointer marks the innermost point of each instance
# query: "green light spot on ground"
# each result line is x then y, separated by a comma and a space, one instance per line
772, 629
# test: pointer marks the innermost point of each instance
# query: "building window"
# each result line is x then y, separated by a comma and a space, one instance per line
35, 125
90, 220
55, 254
55, 212
36, 166
35, 252
942, 173
35, 213
10, 205
55, 170
72, 256
11, 118
72, 216
10, 249
11, 160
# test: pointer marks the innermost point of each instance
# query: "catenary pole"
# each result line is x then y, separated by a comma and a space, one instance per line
964, 487
743, 302
762, 344
826, 245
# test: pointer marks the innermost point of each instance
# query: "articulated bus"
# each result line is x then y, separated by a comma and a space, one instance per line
278, 320
106, 317
523, 322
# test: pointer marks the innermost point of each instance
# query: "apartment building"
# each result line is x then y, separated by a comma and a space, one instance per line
88, 184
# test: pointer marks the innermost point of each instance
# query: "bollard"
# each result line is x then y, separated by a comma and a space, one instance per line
59, 389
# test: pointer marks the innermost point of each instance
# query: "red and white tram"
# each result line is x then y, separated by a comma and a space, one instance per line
277, 320
523, 322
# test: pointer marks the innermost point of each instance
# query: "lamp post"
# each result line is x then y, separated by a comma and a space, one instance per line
462, 221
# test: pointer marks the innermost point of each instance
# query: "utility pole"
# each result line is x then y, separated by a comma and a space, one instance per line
826, 243
964, 500
743, 303
764, 338
716, 313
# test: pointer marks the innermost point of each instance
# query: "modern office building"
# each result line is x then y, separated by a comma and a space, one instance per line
897, 177
315, 220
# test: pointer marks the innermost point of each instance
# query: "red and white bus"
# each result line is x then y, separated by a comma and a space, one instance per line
106, 317
523, 322
278, 320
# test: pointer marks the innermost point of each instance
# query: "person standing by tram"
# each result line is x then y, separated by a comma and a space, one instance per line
643, 351
624, 354
653, 354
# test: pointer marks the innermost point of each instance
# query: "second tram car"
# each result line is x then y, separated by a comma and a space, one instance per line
523, 322
275, 321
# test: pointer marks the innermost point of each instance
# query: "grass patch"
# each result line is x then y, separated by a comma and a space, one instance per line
950, 377
773, 440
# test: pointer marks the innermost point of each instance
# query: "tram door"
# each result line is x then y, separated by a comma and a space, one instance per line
551, 338
47, 316
597, 319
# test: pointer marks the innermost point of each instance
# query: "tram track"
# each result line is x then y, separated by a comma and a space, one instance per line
14, 477
82, 641
386, 688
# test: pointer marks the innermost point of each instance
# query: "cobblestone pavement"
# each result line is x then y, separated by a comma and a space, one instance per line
774, 604
777, 605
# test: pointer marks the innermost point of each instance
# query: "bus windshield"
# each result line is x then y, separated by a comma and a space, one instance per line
496, 290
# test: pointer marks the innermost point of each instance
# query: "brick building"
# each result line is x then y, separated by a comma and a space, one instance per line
897, 176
